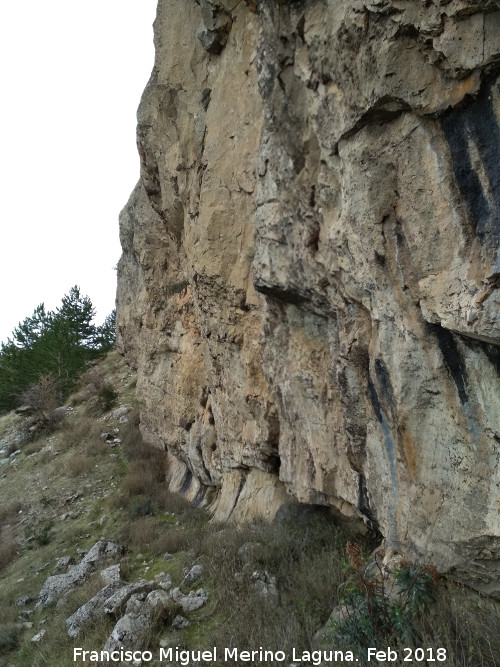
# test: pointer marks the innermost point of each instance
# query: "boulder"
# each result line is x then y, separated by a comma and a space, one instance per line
63, 564
191, 576
111, 574
92, 610
194, 600
39, 636
59, 585
264, 584
117, 602
164, 581
133, 630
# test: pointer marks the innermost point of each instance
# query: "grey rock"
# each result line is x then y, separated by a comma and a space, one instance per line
23, 410
39, 636
103, 551
180, 623
158, 600
26, 625
111, 574
120, 412
63, 564
118, 600
164, 581
194, 600
23, 600
264, 583
59, 584
135, 603
192, 575
134, 628
91, 611
131, 631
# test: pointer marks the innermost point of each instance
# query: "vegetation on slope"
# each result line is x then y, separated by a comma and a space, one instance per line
71, 487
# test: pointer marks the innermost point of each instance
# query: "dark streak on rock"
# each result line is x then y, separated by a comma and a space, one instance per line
384, 382
200, 453
187, 483
374, 400
452, 359
240, 489
199, 496
364, 504
473, 135
493, 354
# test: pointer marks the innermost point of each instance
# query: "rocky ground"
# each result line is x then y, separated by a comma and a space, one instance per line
96, 554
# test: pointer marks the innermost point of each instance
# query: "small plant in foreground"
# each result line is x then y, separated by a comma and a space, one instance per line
375, 611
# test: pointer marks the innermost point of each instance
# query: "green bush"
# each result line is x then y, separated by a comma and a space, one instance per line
107, 397
9, 637
141, 506
379, 609
44, 536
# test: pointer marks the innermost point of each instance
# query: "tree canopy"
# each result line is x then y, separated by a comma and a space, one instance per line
59, 343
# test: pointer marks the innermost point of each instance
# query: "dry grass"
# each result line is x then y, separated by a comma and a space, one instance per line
466, 625
8, 547
78, 465
10, 510
306, 561
81, 432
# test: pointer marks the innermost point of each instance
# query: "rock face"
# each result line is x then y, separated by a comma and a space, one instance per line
310, 270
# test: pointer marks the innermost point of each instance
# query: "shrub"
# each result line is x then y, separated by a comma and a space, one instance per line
45, 535
42, 399
78, 465
9, 637
82, 432
380, 609
8, 547
41, 396
106, 397
141, 506
10, 510
96, 390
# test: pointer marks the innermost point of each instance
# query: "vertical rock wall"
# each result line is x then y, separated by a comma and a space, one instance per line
310, 271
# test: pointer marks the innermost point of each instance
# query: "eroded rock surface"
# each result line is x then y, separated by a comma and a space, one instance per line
310, 270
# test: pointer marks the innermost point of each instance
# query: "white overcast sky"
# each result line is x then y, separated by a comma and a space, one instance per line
72, 74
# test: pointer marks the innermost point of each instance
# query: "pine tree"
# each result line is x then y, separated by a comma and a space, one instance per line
106, 333
57, 344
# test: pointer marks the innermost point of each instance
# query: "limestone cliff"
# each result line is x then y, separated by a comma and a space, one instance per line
310, 271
